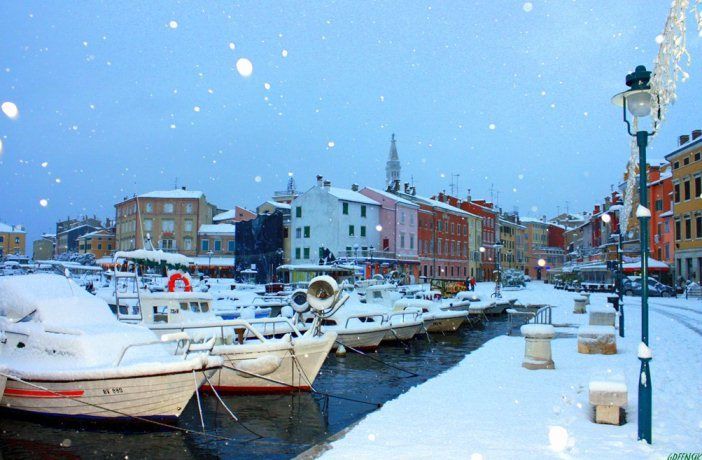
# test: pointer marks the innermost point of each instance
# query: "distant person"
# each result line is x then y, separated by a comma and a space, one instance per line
472, 283
468, 285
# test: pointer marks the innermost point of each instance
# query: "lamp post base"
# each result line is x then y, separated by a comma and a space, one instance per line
645, 401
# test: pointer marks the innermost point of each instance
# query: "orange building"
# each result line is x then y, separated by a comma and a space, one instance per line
660, 198
12, 239
100, 243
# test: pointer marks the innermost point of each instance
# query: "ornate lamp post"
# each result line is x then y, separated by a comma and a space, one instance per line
498, 264
638, 100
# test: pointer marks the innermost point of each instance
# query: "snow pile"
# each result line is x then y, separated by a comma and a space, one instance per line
154, 256
644, 351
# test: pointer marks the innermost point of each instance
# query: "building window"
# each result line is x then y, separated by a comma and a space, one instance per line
230, 245
321, 253
439, 246
676, 190
363, 230
188, 244
411, 241
402, 240
168, 208
351, 231
402, 217
659, 205
698, 225
306, 253
188, 225
307, 231
698, 187
676, 165
345, 208
687, 189
167, 225
149, 207
189, 208
686, 161
167, 244
205, 245
297, 253
148, 225
298, 232
688, 228
363, 210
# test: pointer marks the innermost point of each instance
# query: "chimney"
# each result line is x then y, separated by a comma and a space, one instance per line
327, 184
696, 134
396, 185
469, 198
414, 191
183, 187
319, 180
407, 187
354, 187
683, 139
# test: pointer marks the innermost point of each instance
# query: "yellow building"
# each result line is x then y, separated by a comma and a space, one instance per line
12, 239
686, 164
535, 244
100, 243
169, 220
511, 236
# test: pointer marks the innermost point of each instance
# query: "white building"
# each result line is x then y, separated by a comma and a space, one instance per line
340, 220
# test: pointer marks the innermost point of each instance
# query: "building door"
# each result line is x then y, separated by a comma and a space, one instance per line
538, 273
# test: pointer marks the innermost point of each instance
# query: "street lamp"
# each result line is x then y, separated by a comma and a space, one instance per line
371, 248
498, 256
638, 100
209, 262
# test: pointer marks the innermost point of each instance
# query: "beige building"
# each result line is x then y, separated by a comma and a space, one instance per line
512, 237
44, 248
167, 220
13, 239
535, 244
100, 243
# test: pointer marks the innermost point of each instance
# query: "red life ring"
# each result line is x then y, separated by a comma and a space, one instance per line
178, 276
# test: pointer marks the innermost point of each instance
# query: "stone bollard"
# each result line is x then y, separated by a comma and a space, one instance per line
537, 353
602, 315
579, 306
587, 297
597, 340
609, 399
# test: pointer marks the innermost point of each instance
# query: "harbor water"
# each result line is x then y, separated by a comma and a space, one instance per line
287, 424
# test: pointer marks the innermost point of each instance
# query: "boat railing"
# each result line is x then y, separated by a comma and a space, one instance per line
413, 315
542, 316
361, 316
236, 324
182, 341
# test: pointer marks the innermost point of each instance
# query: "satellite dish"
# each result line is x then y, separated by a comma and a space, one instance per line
298, 301
322, 293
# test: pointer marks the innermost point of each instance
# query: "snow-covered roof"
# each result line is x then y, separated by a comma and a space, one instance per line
100, 232
5, 228
533, 220
275, 204
204, 261
393, 197
217, 229
667, 214
77, 227
445, 206
154, 256
349, 195
177, 193
226, 215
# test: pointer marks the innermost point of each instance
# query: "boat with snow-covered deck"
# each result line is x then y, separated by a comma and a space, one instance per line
64, 354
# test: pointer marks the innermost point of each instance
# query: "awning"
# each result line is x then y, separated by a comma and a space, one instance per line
653, 266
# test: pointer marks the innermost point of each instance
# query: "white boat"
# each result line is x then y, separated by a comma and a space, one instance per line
404, 323
64, 354
436, 319
285, 361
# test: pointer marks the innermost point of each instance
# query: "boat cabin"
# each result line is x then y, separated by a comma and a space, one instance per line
177, 307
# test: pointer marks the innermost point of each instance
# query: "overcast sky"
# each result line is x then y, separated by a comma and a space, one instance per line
117, 98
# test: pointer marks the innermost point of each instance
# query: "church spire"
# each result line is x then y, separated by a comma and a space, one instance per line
392, 167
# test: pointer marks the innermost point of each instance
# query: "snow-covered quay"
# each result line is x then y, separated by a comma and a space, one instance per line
489, 406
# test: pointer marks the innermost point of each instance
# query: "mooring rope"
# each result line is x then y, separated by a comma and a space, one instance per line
413, 374
234, 417
123, 414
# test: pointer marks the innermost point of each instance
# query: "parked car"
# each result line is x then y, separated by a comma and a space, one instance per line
632, 287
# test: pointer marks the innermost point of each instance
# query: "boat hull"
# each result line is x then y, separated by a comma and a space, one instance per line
283, 368
403, 332
159, 396
444, 324
362, 340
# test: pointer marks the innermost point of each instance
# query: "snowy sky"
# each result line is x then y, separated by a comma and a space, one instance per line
123, 97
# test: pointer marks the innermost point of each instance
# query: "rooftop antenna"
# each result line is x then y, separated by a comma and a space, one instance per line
492, 193
175, 185
567, 209
412, 180
454, 184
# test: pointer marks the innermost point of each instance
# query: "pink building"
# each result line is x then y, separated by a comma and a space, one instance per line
398, 232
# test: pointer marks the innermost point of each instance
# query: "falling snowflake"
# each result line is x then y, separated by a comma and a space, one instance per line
382, 98
244, 67
290, 173
379, 228
527, 7
173, 126
196, 108
232, 46
371, 437
43, 202
10, 109
492, 126
267, 86
258, 179
331, 144
534, 208
660, 38
57, 180
173, 24
284, 53
45, 164
520, 176
558, 438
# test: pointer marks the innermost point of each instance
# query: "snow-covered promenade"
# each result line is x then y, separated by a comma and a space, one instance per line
489, 406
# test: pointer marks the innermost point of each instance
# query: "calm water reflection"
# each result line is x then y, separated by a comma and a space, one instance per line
289, 424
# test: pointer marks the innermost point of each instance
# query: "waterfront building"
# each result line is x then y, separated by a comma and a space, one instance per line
661, 235
99, 243
13, 239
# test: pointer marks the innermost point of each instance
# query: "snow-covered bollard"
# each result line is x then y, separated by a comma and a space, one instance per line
597, 340
537, 352
587, 297
609, 399
602, 315
580, 305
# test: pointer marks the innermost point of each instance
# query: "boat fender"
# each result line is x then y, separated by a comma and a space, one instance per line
263, 365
